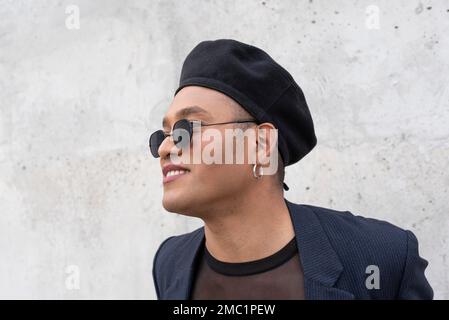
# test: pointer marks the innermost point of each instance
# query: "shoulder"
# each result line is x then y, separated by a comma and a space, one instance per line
345, 224
177, 243
170, 256
166, 253
358, 236
362, 243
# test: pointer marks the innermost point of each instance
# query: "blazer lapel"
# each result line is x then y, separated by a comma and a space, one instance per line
180, 288
321, 264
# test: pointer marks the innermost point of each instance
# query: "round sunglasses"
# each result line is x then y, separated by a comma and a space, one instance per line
181, 134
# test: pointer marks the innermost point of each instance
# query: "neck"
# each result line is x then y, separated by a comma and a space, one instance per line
250, 226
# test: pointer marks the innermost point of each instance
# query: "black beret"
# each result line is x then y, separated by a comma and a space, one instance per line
260, 85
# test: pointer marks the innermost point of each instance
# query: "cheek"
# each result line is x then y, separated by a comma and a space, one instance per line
224, 176
213, 146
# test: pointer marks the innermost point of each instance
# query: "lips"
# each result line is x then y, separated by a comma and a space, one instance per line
172, 172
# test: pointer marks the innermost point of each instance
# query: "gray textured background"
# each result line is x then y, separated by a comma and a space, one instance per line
77, 185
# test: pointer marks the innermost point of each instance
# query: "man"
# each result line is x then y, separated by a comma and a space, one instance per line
255, 244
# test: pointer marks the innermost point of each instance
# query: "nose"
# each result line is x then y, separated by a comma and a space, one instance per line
167, 147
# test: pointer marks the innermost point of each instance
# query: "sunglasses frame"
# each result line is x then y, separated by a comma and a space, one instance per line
191, 124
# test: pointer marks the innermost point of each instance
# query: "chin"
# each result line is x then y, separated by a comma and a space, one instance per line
177, 203
187, 202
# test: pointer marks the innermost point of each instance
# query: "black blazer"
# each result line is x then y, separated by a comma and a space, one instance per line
336, 249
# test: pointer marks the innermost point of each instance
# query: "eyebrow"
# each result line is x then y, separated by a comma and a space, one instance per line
185, 112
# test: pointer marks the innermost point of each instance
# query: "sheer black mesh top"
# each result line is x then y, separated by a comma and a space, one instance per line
278, 276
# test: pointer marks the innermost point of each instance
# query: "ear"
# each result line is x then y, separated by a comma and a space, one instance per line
266, 137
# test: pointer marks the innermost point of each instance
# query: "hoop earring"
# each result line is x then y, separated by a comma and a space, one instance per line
254, 171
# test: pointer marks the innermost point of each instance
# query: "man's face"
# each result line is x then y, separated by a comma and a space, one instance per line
203, 184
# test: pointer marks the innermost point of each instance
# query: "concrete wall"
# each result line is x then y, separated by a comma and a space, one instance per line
80, 197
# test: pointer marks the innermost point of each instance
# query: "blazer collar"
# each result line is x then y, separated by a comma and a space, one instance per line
321, 264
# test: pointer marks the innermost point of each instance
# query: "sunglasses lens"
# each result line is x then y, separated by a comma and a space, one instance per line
155, 141
182, 133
